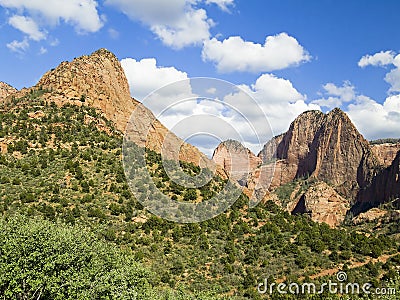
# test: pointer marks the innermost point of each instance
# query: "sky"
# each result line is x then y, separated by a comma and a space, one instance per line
270, 59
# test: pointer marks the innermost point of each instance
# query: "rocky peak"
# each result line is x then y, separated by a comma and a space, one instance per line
97, 80
6, 90
237, 161
327, 147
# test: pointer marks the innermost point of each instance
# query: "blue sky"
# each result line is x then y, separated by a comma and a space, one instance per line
290, 55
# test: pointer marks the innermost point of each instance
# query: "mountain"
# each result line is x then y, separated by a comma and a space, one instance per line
237, 161
98, 80
345, 170
327, 147
334, 165
322, 203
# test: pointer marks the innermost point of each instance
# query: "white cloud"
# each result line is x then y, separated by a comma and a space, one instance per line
82, 14
385, 58
234, 54
18, 46
382, 58
393, 78
191, 28
54, 43
375, 120
42, 51
28, 26
177, 23
336, 95
145, 76
279, 100
222, 4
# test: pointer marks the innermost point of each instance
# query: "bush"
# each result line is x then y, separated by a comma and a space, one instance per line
47, 261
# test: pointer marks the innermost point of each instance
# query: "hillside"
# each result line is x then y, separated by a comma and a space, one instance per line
62, 181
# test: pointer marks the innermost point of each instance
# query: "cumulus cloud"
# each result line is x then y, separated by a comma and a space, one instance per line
82, 14
381, 59
145, 76
279, 100
177, 23
393, 78
335, 95
234, 54
191, 28
375, 120
18, 46
28, 26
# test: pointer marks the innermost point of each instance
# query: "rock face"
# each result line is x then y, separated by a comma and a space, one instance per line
6, 90
384, 187
323, 204
237, 161
326, 147
386, 152
99, 81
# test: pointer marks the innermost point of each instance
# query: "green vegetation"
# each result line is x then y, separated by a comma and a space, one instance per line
385, 141
68, 217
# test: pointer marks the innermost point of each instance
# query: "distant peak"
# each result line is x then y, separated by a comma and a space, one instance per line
6, 90
232, 143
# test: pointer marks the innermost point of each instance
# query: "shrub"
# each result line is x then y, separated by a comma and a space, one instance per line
43, 260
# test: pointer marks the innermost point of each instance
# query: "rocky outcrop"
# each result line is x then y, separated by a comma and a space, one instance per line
386, 152
384, 187
99, 81
326, 147
322, 203
6, 90
369, 216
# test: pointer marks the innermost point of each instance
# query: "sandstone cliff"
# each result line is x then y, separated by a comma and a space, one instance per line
99, 81
237, 161
326, 147
322, 203
386, 152
384, 187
